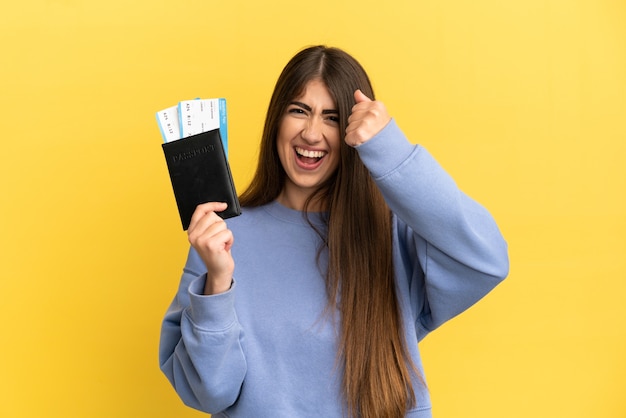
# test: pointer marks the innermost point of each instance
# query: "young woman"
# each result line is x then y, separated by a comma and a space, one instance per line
353, 245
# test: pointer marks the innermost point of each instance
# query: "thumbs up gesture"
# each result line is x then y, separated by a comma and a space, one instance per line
368, 117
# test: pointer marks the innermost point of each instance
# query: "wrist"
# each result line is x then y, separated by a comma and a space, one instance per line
214, 287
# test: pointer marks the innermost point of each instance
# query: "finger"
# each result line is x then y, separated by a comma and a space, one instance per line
362, 115
366, 120
360, 97
216, 239
363, 108
228, 239
213, 244
204, 209
206, 226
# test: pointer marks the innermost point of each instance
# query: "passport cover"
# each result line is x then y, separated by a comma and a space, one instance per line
200, 173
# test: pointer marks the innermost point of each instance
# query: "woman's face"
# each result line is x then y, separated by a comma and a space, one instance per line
308, 143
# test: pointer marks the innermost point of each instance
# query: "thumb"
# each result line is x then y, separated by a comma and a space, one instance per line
359, 97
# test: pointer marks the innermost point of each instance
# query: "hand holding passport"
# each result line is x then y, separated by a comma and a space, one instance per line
195, 149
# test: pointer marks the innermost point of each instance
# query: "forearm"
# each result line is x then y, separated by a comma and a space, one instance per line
200, 350
426, 198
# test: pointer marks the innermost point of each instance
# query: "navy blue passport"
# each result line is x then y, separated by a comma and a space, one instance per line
200, 173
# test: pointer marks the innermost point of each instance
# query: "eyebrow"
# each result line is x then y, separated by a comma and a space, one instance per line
308, 108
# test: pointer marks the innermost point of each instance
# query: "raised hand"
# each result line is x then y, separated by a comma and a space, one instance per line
368, 117
211, 238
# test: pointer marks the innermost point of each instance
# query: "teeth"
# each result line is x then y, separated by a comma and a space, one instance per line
310, 154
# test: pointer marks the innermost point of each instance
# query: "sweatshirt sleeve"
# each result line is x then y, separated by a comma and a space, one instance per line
449, 237
200, 348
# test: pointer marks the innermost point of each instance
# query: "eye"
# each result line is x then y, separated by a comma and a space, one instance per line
296, 111
333, 119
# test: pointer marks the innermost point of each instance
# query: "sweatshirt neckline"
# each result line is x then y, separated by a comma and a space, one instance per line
286, 214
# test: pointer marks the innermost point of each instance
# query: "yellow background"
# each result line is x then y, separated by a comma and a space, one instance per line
524, 102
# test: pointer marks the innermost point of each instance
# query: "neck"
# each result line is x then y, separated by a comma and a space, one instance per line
296, 200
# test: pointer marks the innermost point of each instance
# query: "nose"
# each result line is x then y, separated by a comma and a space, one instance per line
313, 130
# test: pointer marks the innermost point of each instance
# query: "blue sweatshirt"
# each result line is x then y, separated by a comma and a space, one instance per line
265, 348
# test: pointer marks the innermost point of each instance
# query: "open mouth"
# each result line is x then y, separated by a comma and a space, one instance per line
308, 157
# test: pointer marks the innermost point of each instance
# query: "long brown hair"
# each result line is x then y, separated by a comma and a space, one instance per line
372, 348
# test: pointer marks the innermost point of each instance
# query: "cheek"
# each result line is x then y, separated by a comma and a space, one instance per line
287, 130
335, 146
282, 141
334, 142
282, 151
280, 135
